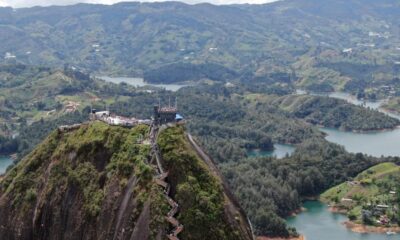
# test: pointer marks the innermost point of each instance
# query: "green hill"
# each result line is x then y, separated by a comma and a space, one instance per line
334, 113
371, 196
29, 93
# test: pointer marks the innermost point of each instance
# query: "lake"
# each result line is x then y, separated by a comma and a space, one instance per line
379, 143
386, 143
352, 99
280, 151
318, 223
139, 82
5, 161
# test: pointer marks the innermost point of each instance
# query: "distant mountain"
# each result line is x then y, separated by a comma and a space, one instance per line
305, 37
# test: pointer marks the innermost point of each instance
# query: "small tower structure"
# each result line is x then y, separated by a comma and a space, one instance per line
164, 115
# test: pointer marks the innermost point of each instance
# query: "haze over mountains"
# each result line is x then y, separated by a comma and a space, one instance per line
27, 3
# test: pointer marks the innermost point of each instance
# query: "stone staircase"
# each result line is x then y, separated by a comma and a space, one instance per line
160, 180
178, 228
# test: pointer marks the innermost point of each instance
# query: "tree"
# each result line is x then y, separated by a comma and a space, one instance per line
367, 217
271, 224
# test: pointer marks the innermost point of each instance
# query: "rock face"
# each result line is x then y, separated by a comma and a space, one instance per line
97, 182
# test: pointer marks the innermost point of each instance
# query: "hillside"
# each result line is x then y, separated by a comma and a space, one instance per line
96, 181
334, 113
371, 198
49, 97
29, 93
351, 48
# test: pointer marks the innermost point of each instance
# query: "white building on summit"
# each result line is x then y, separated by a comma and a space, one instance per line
116, 120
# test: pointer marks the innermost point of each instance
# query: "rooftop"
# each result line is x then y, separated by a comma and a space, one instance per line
168, 109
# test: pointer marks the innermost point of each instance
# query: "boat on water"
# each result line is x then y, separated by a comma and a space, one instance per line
390, 233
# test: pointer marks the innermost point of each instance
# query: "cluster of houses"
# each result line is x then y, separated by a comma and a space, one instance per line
379, 213
388, 90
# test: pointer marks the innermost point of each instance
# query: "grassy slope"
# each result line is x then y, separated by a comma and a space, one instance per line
372, 186
31, 93
33, 87
378, 172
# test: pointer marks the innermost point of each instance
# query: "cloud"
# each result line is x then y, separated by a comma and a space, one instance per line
31, 3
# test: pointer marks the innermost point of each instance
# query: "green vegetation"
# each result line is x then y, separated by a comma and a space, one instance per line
31, 93
371, 198
250, 116
198, 191
335, 113
36, 100
92, 169
306, 43
270, 188
84, 158
88, 169
34, 92
264, 51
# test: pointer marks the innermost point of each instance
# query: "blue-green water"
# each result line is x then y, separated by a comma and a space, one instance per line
318, 223
377, 105
280, 151
379, 143
4, 163
385, 143
139, 82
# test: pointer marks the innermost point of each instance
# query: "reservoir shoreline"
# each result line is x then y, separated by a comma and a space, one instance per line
361, 228
269, 238
318, 222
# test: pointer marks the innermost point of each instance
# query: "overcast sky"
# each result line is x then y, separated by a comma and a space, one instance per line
30, 3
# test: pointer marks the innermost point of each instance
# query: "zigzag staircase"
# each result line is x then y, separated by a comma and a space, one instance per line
160, 180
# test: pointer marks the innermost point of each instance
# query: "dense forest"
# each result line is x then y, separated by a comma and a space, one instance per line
335, 113
270, 188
